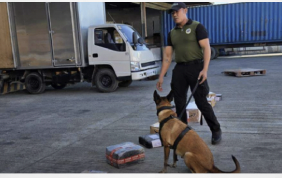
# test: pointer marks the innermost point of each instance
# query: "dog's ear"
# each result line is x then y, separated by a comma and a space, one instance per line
157, 97
169, 97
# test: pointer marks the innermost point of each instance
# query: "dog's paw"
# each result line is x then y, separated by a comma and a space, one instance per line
163, 171
174, 165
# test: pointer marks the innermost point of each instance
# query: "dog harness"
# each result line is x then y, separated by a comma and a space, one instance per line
180, 136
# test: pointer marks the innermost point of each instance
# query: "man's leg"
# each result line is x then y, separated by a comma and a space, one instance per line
179, 86
202, 103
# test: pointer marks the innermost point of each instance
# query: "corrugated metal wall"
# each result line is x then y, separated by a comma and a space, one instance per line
236, 23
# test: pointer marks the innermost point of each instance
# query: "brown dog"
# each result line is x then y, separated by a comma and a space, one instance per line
197, 155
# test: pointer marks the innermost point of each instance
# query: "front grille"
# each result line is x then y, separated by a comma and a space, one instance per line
148, 64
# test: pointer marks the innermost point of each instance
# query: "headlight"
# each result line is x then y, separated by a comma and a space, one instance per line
135, 66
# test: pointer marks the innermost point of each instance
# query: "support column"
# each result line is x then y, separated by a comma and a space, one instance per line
143, 19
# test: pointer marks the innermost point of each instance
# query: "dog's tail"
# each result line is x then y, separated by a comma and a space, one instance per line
237, 170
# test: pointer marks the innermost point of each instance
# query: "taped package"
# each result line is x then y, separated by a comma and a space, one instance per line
124, 154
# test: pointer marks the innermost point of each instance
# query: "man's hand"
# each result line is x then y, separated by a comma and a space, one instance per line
160, 83
204, 75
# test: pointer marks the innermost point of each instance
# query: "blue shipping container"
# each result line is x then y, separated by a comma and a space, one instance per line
236, 23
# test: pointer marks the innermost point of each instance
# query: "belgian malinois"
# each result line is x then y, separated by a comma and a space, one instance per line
197, 155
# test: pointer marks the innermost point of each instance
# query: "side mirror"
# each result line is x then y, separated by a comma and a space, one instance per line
141, 41
134, 38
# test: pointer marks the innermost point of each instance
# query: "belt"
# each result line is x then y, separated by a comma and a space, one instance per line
197, 61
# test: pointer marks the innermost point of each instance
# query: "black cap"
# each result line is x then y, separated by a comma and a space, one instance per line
176, 6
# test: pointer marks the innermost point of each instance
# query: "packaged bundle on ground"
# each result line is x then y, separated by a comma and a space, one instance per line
124, 154
150, 141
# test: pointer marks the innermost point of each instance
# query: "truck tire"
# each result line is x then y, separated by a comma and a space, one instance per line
217, 53
105, 80
34, 83
125, 83
58, 86
213, 53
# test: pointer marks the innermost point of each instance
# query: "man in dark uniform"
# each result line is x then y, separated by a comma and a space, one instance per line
189, 39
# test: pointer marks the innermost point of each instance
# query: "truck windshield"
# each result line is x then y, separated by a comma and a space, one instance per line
127, 32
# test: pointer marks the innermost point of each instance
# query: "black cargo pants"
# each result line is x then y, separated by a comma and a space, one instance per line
185, 75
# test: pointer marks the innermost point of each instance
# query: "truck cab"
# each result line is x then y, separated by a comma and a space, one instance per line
120, 48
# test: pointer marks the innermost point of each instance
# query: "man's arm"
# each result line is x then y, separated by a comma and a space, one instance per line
203, 40
205, 45
165, 65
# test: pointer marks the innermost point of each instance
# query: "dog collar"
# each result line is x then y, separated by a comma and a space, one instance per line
164, 108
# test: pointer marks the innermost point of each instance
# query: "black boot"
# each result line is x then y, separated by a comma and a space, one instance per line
216, 137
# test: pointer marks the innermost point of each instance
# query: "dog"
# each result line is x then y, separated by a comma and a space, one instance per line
197, 155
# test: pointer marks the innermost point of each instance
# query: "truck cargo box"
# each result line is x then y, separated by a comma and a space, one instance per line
6, 52
47, 35
253, 23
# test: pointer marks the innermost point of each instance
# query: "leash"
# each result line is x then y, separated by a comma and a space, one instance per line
184, 109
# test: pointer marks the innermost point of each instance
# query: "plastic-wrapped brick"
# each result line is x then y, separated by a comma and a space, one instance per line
124, 154
150, 141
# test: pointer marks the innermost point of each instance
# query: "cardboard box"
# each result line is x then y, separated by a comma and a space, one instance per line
211, 98
211, 94
193, 112
154, 128
212, 101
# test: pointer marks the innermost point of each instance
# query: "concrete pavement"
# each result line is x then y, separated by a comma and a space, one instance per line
67, 131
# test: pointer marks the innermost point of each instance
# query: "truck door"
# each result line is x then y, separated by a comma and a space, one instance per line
62, 33
110, 48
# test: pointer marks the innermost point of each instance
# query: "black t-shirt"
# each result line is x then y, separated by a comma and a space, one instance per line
201, 33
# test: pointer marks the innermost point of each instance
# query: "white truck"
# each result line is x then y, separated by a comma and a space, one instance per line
60, 43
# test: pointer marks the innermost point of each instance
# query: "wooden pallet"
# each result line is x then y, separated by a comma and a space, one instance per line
244, 72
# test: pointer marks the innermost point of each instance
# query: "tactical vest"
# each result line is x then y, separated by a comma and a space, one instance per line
185, 43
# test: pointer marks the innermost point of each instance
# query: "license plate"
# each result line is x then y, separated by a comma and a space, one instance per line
149, 74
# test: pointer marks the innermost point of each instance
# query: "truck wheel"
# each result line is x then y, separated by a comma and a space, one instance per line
105, 80
125, 83
58, 86
34, 83
213, 53
217, 53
